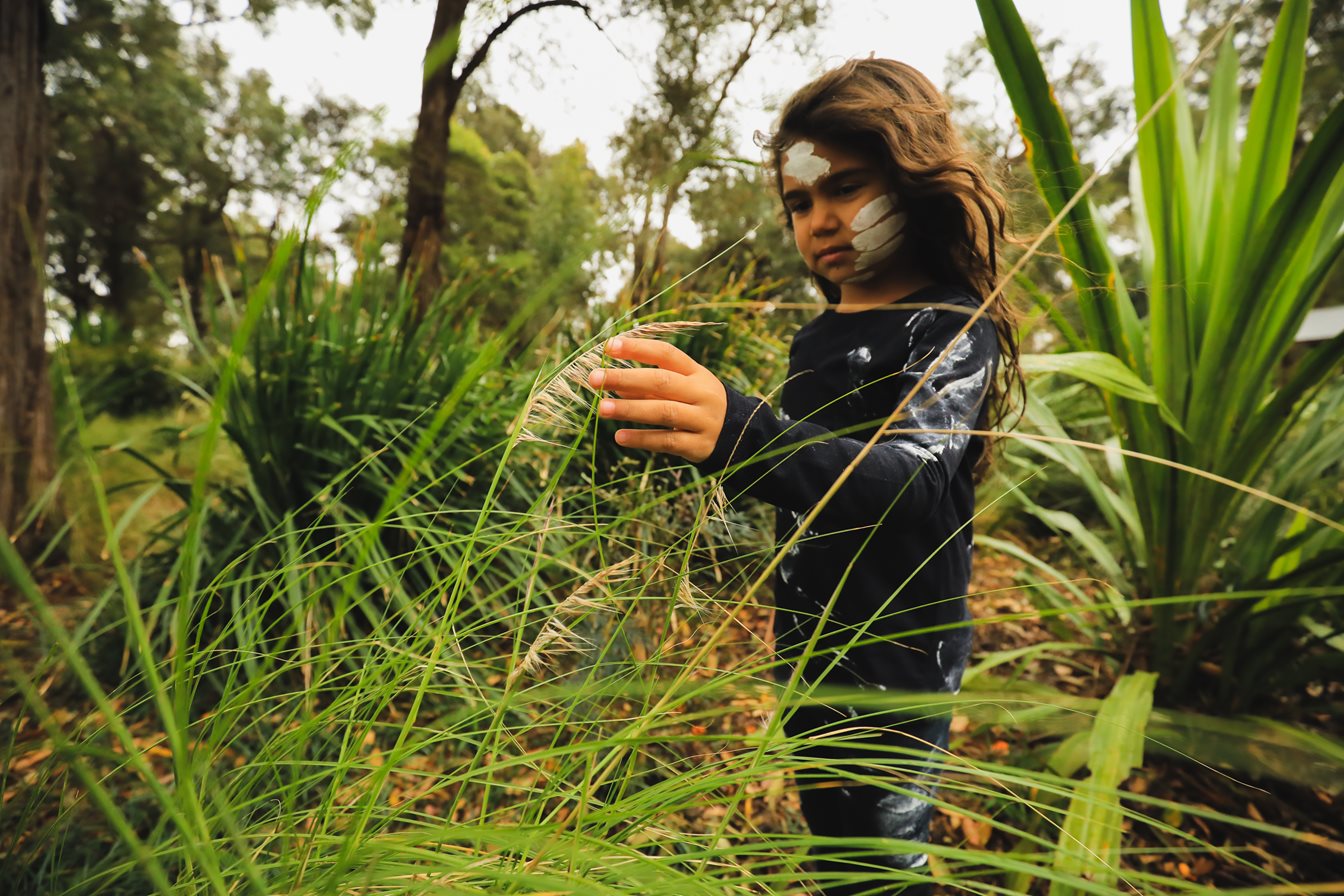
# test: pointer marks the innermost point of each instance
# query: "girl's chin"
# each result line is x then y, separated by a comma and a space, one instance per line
852, 275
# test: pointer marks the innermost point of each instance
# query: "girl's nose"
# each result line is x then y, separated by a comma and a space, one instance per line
823, 219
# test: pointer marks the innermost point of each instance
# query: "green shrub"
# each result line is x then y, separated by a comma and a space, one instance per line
124, 379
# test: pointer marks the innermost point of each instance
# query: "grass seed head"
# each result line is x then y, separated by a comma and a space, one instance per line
559, 404
557, 638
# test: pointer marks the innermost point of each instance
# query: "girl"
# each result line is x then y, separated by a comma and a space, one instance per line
900, 230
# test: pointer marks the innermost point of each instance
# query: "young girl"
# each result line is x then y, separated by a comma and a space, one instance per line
899, 229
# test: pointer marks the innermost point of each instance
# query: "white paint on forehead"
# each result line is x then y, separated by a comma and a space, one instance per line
802, 164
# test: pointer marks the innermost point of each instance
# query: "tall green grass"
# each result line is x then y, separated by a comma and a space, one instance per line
416, 652
552, 680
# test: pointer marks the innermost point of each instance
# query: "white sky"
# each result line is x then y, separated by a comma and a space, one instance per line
571, 82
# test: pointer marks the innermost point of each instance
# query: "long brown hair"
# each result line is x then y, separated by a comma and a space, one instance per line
957, 220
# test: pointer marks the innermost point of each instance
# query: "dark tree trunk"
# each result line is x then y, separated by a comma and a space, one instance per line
193, 283
423, 236
193, 245
428, 175
26, 429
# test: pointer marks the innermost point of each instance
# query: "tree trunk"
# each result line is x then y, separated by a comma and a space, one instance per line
26, 428
670, 199
423, 236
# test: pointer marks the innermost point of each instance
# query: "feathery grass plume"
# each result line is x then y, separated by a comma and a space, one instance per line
555, 637
691, 599
718, 505
555, 405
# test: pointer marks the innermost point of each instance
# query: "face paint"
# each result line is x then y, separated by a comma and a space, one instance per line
801, 164
873, 212
878, 232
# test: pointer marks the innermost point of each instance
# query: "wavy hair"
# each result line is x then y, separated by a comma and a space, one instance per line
956, 220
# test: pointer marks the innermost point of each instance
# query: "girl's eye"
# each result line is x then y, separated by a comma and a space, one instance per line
847, 189
798, 208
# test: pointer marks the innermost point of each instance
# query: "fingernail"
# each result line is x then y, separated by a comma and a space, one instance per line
614, 344
597, 378
606, 406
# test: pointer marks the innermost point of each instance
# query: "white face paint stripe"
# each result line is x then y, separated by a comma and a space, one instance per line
801, 164
879, 242
881, 253
879, 234
873, 212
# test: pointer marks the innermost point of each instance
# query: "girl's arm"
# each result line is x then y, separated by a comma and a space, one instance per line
792, 464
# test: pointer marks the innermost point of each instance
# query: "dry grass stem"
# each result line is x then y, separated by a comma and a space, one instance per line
690, 598
555, 637
718, 505
555, 406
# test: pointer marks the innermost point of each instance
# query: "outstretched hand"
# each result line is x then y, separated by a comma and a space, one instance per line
676, 393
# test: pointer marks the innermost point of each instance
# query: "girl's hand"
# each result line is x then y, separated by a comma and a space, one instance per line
676, 393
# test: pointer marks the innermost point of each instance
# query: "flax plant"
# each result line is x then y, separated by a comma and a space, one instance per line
1238, 237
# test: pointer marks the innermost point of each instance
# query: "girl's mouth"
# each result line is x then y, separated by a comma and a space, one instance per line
831, 253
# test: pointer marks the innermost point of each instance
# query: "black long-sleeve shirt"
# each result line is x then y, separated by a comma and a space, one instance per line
893, 544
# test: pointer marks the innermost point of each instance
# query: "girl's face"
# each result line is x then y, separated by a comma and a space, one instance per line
847, 220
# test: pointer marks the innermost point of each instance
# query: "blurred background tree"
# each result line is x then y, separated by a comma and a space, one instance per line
119, 89
27, 444
679, 133
155, 140
513, 213
1323, 81
427, 162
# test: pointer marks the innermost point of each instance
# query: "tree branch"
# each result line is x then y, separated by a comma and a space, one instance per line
479, 56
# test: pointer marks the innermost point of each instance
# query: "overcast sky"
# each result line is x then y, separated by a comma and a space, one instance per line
571, 82
585, 86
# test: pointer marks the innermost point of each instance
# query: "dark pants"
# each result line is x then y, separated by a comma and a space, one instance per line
890, 802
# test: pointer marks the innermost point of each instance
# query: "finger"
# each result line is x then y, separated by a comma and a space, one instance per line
655, 412
651, 351
635, 394
653, 381
663, 440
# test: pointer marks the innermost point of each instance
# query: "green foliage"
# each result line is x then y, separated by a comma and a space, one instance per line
126, 106
123, 380
1237, 242
114, 373
1090, 840
342, 395
364, 669
1096, 109
403, 651
1254, 33
514, 214
154, 139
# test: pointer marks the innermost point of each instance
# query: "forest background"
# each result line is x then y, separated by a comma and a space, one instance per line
293, 533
